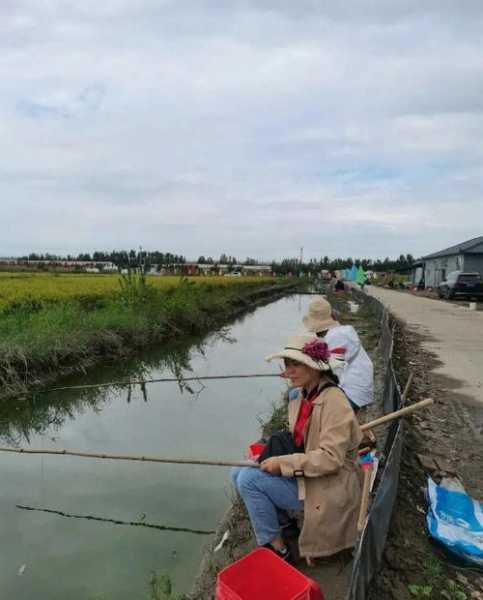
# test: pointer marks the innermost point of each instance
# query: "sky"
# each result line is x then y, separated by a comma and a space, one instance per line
252, 128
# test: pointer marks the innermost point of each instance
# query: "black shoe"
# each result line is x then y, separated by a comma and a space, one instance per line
284, 554
290, 530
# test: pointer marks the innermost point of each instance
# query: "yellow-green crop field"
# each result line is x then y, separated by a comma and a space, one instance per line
39, 288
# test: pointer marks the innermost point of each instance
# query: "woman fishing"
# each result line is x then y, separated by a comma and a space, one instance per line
319, 474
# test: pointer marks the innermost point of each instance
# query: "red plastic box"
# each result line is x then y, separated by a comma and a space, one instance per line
262, 575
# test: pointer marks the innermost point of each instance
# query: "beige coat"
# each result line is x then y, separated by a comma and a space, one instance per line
328, 476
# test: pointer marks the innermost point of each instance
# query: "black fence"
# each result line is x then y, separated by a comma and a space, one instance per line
369, 550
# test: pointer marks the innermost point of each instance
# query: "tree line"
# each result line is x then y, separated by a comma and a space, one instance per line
130, 258
121, 258
294, 266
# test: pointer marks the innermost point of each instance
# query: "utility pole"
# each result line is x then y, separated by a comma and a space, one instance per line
301, 254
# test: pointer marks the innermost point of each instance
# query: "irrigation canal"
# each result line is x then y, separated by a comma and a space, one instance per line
103, 526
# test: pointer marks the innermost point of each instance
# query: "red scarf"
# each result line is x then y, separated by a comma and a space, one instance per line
303, 417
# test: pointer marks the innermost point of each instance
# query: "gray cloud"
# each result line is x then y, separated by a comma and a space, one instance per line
246, 127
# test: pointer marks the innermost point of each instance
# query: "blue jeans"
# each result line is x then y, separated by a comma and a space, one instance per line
262, 494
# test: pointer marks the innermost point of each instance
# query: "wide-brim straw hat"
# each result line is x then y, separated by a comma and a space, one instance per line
319, 317
294, 350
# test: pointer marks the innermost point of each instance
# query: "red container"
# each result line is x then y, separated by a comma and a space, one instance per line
262, 575
254, 450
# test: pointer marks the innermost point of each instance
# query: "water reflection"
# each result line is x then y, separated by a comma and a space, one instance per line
48, 411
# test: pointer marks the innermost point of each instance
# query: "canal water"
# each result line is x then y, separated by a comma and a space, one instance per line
58, 536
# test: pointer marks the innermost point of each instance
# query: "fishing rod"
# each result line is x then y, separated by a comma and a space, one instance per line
137, 458
216, 463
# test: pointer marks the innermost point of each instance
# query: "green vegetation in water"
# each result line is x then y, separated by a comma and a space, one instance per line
38, 340
160, 588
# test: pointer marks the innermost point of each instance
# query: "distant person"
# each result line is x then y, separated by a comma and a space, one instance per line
339, 286
356, 373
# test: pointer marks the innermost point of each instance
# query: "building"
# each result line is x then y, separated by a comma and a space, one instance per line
89, 266
434, 268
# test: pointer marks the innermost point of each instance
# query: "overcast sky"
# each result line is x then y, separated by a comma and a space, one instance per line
252, 127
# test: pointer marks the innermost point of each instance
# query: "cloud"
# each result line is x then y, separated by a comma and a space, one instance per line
244, 127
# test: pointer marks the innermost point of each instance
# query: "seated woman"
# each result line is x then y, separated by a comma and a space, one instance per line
321, 476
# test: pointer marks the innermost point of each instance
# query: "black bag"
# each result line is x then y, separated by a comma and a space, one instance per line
282, 442
279, 443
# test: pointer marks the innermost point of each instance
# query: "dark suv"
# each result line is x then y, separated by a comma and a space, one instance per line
459, 285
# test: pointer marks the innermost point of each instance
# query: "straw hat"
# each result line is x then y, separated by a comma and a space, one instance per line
308, 350
319, 317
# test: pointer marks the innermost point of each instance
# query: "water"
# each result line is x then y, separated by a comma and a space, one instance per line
49, 556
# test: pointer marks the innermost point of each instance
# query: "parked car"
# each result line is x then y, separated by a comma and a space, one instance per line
461, 285
233, 274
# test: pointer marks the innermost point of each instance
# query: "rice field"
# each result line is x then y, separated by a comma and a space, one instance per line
18, 289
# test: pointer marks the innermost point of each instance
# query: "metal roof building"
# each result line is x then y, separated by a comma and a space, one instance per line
466, 256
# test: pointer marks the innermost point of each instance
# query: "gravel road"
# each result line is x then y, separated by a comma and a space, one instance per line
453, 332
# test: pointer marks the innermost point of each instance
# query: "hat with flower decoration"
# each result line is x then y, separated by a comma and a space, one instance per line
309, 350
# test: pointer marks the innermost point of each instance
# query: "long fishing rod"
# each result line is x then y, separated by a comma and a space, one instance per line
138, 458
216, 463
161, 380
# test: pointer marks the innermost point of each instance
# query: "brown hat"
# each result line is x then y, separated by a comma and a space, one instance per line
319, 317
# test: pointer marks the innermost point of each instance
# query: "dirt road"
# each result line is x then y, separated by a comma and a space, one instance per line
452, 332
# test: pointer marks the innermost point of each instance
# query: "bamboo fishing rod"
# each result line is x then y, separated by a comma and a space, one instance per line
155, 459
216, 463
397, 414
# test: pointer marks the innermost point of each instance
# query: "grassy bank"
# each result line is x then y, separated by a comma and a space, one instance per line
43, 335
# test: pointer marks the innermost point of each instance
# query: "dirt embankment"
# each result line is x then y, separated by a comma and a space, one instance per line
445, 440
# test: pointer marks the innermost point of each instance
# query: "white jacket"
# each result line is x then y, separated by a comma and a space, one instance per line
356, 374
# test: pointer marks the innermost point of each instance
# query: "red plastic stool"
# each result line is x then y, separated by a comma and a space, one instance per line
262, 575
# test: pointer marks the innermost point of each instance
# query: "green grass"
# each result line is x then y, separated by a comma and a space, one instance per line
37, 340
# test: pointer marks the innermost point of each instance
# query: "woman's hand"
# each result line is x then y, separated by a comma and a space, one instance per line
271, 465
